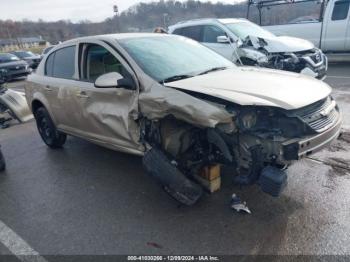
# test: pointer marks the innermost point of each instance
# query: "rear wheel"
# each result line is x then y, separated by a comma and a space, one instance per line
47, 130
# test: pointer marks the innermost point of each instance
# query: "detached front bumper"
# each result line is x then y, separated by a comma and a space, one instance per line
299, 148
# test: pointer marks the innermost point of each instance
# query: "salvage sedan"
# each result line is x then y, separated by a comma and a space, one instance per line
183, 107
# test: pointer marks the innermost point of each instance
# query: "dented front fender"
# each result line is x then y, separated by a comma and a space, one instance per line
159, 101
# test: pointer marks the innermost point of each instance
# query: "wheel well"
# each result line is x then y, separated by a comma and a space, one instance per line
36, 104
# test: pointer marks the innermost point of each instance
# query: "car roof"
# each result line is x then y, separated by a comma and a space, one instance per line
232, 20
113, 37
208, 20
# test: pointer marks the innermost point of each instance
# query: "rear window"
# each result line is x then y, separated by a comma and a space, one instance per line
49, 65
341, 10
60, 64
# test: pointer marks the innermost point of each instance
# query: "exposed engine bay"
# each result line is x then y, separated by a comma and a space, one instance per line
258, 146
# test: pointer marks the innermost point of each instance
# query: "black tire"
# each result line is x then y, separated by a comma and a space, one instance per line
47, 129
2, 162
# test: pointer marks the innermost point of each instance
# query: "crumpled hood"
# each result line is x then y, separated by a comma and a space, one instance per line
255, 86
281, 44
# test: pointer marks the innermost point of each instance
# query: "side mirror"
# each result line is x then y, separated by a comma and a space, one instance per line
113, 79
223, 39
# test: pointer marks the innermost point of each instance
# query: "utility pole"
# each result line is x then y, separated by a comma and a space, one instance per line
165, 20
116, 17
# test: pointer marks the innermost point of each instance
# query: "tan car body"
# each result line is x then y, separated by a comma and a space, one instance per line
107, 116
112, 117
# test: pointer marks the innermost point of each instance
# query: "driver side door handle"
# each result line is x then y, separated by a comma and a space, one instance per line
82, 94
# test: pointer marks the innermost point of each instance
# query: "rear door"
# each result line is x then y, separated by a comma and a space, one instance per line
336, 28
59, 76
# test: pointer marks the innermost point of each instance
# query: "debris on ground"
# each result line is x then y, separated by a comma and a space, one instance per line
152, 244
238, 205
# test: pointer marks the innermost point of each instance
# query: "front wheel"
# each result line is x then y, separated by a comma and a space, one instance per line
47, 130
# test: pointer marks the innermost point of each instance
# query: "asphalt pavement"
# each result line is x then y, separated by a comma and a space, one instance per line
85, 199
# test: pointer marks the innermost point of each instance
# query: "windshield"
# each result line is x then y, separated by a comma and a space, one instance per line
244, 29
5, 58
24, 54
168, 56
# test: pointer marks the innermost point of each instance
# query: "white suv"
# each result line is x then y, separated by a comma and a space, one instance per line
245, 42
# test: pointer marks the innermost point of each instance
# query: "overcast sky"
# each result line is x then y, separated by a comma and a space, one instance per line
74, 10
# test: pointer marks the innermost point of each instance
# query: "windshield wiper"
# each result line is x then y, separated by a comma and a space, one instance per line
213, 70
175, 78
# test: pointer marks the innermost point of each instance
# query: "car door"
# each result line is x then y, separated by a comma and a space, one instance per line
210, 34
106, 115
58, 77
336, 27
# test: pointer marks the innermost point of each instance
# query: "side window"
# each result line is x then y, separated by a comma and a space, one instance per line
178, 31
341, 10
63, 64
49, 65
193, 32
99, 61
211, 33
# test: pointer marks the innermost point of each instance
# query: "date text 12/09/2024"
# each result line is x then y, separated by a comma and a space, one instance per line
173, 258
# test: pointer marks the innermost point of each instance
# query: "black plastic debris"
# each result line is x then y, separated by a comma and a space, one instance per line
175, 183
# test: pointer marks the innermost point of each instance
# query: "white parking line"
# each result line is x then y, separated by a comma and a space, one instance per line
18, 246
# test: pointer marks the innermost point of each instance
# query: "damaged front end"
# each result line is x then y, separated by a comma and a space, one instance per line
257, 145
261, 52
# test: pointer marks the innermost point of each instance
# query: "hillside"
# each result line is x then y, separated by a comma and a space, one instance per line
146, 16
